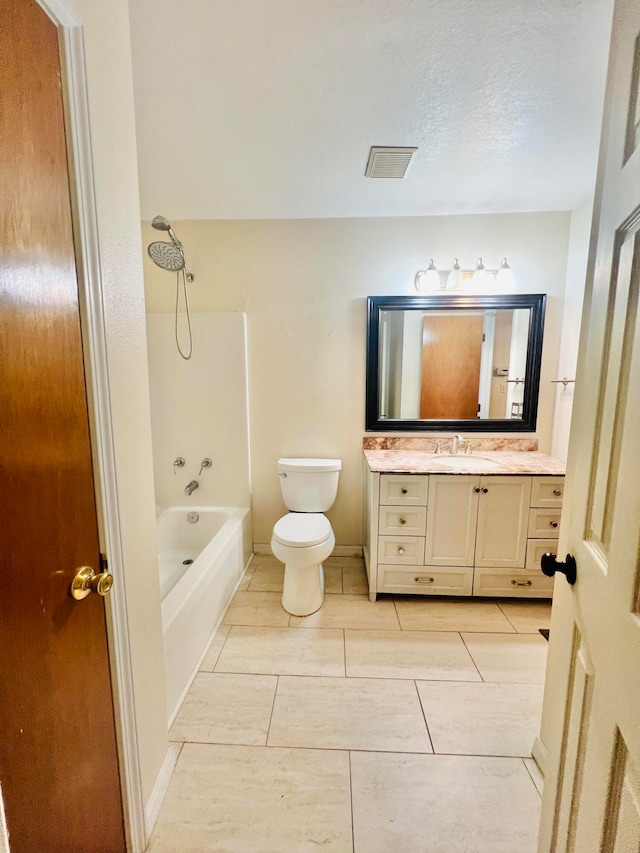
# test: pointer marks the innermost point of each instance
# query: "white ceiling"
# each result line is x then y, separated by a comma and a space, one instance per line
259, 109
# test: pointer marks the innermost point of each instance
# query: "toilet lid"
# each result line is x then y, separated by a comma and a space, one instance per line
302, 529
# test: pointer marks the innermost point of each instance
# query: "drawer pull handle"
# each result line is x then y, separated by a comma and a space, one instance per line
485, 490
400, 550
423, 579
553, 523
404, 491
477, 490
520, 583
557, 493
403, 521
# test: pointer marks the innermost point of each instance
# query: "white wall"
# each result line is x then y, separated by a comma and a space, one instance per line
199, 409
570, 334
107, 49
303, 285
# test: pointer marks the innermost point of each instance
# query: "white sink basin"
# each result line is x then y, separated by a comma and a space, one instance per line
468, 463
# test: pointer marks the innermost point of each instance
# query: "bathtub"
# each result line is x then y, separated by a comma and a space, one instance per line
201, 564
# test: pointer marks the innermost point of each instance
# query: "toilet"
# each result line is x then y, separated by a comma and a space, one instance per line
303, 538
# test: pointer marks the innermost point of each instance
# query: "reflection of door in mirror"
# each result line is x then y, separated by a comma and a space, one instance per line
451, 354
500, 364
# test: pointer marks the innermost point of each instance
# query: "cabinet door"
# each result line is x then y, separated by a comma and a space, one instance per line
451, 520
503, 517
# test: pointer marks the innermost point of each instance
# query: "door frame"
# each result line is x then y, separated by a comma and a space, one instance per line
92, 322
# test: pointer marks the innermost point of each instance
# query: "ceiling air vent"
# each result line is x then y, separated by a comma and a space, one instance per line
385, 162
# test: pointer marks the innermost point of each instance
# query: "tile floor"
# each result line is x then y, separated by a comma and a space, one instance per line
403, 725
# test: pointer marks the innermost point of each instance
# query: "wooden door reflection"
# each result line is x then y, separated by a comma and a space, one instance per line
451, 352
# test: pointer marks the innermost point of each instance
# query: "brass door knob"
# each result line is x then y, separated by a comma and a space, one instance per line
87, 581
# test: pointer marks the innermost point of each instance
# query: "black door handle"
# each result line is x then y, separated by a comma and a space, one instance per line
550, 565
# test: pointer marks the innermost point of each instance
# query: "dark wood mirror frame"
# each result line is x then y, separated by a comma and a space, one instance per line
535, 302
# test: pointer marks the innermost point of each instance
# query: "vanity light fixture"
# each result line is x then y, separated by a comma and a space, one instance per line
428, 279
504, 278
480, 280
455, 279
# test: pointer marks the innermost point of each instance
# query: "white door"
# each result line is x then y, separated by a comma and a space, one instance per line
591, 717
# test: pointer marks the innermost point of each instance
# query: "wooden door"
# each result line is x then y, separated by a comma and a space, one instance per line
591, 717
58, 759
451, 520
503, 517
451, 351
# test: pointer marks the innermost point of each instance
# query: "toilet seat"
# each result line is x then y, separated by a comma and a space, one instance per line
302, 529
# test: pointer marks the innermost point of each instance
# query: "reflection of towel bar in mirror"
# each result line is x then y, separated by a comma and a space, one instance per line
515, 381
564, 381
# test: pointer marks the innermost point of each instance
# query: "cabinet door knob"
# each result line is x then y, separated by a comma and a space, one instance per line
403, 521
404, 491
550, 565
400, 550
477, 490
553, 523
557, 492
485, 490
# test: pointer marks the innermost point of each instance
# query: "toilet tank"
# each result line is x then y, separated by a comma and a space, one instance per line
309, 485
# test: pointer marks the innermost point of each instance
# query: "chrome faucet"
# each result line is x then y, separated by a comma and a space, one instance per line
457, 439
193, 485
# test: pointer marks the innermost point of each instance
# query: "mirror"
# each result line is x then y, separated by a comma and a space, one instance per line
454, 362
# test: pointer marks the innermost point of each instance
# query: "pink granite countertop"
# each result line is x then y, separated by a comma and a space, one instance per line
479, 462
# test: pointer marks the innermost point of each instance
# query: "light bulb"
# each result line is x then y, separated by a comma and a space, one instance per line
480, 278
455, 278
505, 282
428, 279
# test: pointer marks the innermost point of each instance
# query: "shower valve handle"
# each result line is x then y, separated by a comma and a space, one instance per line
206, 463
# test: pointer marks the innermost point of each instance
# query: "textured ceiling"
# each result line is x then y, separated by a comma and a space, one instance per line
254, 109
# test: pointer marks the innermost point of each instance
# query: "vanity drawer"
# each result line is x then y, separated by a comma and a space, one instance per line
404, 489
402, 521
518, 583
536, 548
544, 523
547, 491
429, 580
401, 550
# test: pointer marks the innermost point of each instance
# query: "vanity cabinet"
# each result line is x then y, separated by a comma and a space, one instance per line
460, 534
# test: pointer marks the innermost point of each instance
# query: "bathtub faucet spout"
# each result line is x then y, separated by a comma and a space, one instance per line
193, 485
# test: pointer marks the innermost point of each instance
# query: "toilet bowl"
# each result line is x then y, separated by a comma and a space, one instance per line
303, 538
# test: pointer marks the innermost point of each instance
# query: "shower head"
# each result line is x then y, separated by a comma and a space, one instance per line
168, 256
160, 223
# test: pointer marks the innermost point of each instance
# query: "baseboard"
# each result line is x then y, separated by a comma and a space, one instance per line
347, 551
539, 754
152, 809
338, 551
